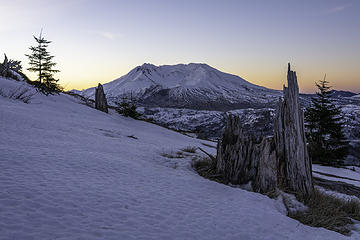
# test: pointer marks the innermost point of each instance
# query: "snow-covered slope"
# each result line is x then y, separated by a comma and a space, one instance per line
196, 86
350, 175
71, 172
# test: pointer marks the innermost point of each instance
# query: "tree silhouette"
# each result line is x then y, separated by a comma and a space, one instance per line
326, 140
41, 62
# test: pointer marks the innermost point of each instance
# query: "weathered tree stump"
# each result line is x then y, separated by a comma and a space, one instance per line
295, 171
100, 99
242, 159
269, 163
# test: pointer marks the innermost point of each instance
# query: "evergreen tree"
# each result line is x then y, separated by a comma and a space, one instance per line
324, 128
127, 107
40, 61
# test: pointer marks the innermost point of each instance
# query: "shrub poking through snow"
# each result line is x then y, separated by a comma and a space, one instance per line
171, 155
329, 212
206, 167
11, 69
21, 93
189, 149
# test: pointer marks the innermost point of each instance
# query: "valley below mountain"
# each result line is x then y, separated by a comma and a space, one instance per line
197, 98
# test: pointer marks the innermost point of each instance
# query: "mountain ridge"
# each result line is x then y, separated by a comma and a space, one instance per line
193, 85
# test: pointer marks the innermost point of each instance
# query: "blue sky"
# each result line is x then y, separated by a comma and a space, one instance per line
98, 41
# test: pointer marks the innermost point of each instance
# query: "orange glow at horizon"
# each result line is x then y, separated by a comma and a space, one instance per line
266, 78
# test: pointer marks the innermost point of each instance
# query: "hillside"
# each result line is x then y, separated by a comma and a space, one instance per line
69, 171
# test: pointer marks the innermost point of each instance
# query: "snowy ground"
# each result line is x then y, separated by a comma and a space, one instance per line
71, 172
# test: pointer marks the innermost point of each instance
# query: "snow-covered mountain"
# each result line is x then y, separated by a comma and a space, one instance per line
197, 86
194, 86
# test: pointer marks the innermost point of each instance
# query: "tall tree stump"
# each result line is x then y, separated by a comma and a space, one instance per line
295, 171
269, 163
100, 99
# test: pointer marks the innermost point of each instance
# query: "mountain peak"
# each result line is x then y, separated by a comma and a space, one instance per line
179, 65
178, 71
145, 68
148, 65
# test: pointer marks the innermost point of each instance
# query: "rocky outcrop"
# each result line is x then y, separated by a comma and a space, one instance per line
100, 99
269, 163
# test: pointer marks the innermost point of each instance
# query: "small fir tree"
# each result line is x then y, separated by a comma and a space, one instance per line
41, 62
127, 107
324, 128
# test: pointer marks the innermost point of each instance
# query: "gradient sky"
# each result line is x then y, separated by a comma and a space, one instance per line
99, 41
